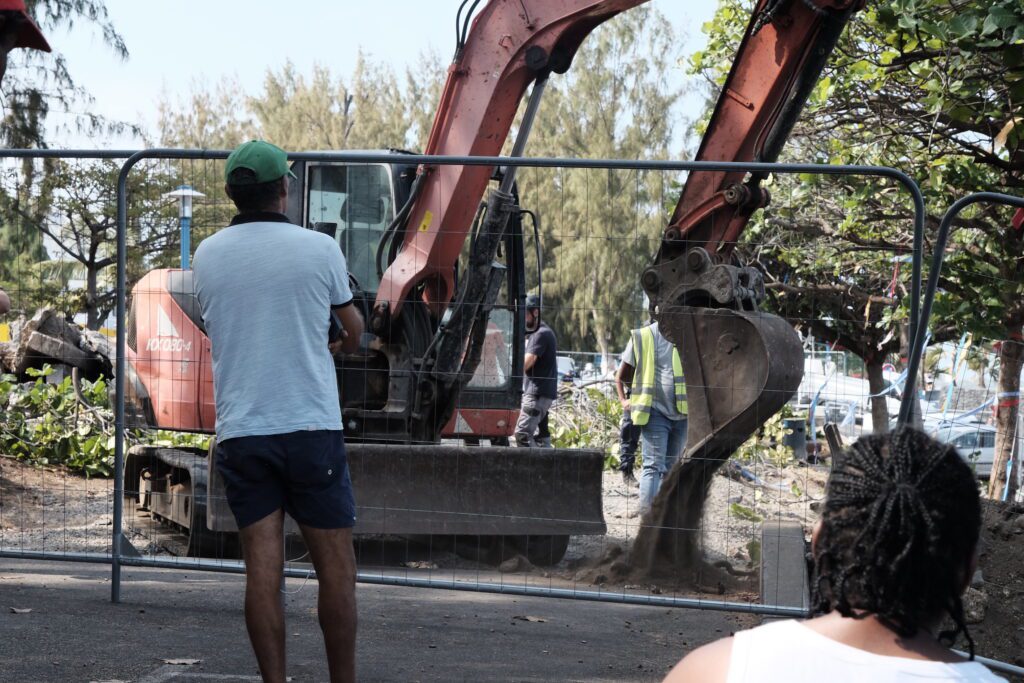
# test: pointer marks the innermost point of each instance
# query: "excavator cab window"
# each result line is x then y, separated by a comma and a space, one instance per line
353, 203
495, 368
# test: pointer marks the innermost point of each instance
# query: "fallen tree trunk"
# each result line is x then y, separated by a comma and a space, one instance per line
47, 338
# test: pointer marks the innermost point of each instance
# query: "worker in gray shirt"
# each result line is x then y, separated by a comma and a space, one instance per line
540, 386
657, 404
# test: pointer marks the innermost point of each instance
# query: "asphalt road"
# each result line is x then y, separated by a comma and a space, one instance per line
74, 633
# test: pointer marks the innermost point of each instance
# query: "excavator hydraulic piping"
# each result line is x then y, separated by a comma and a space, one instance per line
519, 146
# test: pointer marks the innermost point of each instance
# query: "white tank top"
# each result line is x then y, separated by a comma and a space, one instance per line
789, 651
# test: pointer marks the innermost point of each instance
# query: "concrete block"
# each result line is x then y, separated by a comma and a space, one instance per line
784, 579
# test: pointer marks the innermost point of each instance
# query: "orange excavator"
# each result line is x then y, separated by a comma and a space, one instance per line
445, 348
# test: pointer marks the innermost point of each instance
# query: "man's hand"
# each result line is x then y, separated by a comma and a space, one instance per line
337, 344
623, 377
352, 328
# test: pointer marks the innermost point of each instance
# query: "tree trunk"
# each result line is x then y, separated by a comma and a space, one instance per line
91, 308
1011, 358
876, 385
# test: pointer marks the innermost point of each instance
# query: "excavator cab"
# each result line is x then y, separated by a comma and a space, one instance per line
356, 205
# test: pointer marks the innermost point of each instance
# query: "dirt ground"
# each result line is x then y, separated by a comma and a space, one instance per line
995, 603
49, 509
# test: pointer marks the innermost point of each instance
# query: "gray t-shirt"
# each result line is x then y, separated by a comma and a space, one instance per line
664, 378
266, 288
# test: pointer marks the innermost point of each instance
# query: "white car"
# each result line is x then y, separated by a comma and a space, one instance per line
975, 441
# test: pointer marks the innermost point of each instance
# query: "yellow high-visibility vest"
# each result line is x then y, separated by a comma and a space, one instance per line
642, 398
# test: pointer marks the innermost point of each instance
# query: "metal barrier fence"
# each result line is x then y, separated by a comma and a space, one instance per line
172, 173
741, 495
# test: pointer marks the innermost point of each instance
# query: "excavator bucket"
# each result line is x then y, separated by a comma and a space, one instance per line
741, 367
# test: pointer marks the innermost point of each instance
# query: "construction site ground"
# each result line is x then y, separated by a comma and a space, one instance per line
415, 634
188, 626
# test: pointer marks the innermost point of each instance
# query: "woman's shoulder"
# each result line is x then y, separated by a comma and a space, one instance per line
708, 663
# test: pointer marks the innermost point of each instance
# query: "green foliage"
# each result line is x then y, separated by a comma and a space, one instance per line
35, 84
371, 109
38, 82
168, 439
586, 418
928, 86
600, 228
747, 514
74, 205
766, 444
45, 423
754, 551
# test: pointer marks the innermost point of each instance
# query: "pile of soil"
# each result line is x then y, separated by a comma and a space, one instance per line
995, 602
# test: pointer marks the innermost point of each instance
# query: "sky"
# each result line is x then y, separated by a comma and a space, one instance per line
175, 45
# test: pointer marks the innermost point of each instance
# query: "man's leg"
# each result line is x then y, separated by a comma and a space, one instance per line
654, 437
676, 443
263, 550
629, 440
335, 564
529, 418
544, 431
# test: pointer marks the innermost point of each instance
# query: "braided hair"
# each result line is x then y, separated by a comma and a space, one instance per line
900, 523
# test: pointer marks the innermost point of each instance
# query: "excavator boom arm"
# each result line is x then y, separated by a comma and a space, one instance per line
741, 364
779, 61
512, 43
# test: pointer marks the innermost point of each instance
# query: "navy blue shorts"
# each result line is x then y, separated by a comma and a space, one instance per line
306, 473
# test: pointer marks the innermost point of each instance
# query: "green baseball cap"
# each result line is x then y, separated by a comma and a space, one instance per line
266, 163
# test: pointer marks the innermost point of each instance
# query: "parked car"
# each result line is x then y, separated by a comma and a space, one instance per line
975, 441
566, 368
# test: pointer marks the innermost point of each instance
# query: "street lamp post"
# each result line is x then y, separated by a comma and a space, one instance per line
184, 195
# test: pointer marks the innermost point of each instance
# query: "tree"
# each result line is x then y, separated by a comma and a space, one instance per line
928, 86
600, 228
80, 218
323, 112
37, 83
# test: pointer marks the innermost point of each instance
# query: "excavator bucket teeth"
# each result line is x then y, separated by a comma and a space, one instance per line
741, 368
459, 490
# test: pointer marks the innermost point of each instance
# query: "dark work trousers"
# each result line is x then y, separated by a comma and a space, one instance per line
629, 441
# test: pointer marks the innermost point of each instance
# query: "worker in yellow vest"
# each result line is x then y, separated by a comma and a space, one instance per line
657, 404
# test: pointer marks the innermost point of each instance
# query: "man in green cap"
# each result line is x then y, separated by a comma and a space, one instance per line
268, 291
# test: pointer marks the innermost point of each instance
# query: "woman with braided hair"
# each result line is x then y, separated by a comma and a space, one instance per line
893, 553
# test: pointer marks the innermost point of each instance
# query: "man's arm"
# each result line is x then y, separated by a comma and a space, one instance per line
540, 344
623, 377
529, 360
5, 302
352, 324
